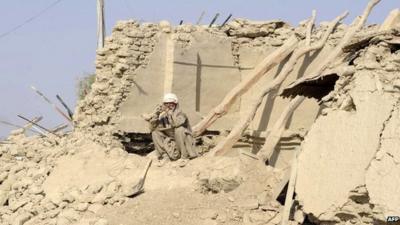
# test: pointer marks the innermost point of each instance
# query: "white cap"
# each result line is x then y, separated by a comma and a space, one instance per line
170, 97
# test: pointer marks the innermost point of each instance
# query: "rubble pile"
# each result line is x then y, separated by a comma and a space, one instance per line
55, 180
351, 151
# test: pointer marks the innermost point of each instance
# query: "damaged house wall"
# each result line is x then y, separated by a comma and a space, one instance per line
348, 169
134, 71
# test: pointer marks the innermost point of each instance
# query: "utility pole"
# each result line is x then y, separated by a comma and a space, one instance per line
101, 27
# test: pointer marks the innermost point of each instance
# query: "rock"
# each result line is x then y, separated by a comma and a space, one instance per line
3, 197
16, 204
22, 218
273, 206
70, 214
95, 188
209, 214
222, 217
95, 208
100, 198
165, 26
63, 221
35, 190
101, 222
396, 84
210, 222
175, 214
83, 206
56, 198
249, 204
224, 176
67, 197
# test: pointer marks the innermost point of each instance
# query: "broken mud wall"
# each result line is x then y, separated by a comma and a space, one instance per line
349, 166
140, 62
126, 50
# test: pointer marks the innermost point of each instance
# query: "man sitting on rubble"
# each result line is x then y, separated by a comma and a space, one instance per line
171, 132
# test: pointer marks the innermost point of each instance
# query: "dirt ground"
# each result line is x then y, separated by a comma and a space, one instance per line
172, 196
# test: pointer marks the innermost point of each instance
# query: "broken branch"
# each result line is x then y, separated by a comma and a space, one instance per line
358, 23
310, 26
239, 128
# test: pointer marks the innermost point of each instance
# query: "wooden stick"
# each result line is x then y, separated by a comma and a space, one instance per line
20, 127
279, 127
201, 17
226, 20
69, 111
59, 127
28, 126
290, 191
51, 103
245, 121
214, 19
36, 124
267, 64
100, 24
310, 26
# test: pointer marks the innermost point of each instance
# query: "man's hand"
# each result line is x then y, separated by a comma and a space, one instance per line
158, 109
146, 117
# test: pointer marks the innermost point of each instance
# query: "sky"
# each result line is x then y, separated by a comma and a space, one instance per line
55, 49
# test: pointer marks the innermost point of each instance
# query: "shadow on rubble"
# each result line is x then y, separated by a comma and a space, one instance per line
142, 144
137, 143
316, 88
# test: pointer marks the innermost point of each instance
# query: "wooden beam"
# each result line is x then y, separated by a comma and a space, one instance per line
259, 71
290, 192
246, 119
357, 24
279, 127
100, 24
